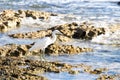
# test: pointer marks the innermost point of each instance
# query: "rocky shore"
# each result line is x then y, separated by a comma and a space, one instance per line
24, 69
54, 49
15, 66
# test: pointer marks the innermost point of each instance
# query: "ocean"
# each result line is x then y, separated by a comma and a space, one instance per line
101, 12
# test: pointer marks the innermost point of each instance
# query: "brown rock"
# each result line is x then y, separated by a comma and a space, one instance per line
11, 19
28, 69
3, 28
79, 33
91, 34
37, 14
82, 31
55, 49
21, 14
106, 77
8, 20
14, 50
37, 34
10, 24
8, 13
73, 72
63, 38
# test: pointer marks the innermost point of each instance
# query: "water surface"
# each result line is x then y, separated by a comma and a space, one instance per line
102, 13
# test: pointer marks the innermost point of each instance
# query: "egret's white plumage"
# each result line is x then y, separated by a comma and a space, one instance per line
44, 42
41, 44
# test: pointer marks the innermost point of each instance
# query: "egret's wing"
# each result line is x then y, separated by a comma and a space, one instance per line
40, 44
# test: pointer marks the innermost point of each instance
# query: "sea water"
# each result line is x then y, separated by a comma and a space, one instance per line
102, 13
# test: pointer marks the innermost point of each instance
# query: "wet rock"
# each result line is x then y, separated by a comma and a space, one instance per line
79, 31
8, 13
54, 14
14, 50
94, 71
107, 77
23, 68
37, 34
88, 31
8, 20
21, 14
34, 14
72, 30
98, 71
91, 70
10, 24
91, 33
63, 38
37, 14
3, 28
7, 68
73, 72
55, 49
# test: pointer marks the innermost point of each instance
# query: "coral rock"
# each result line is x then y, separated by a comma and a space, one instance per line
37, 14
65, 49
37, 34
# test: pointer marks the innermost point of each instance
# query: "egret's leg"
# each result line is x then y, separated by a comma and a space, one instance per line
42, 55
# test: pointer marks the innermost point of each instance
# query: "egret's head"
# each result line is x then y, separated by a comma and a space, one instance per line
57, 32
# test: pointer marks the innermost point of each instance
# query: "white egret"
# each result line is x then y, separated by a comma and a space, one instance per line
43, 43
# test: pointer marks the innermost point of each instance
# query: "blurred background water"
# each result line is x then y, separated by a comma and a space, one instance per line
107, 11
91, 9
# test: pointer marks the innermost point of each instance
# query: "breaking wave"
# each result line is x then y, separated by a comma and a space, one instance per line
112, 38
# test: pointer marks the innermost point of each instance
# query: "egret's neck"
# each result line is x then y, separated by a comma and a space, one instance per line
54, 37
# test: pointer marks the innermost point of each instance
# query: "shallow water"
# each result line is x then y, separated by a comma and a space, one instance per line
106, 47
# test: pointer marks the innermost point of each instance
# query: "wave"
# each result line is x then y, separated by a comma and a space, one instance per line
99, 9
56, 2
110, 38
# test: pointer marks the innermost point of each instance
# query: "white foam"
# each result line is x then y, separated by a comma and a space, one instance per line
51, 22
108, 38
29, 21
102, 24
